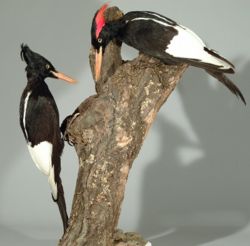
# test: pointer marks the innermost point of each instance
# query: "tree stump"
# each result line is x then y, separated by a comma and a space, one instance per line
107, 131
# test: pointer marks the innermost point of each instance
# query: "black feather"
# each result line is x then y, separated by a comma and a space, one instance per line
228, 83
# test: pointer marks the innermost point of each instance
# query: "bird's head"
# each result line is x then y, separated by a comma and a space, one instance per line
102, 33
39, 66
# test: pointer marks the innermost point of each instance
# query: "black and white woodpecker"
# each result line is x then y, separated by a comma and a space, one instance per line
162, 38
39, 120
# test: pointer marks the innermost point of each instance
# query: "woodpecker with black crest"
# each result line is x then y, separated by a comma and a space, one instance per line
162, 38
39, 120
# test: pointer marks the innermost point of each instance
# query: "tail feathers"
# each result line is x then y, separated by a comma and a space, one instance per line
60, 200
210, 60
55, 183
228, 83
62, 208
226, 66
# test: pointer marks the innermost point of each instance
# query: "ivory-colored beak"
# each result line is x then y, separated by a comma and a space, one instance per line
63, 77
98, 63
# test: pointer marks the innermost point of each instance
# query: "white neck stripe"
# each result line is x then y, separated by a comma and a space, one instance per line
24, 113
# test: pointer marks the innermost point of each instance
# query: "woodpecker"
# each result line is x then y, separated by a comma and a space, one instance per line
39, 121
160, 37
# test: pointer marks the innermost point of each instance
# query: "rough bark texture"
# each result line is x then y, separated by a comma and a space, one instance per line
107, 134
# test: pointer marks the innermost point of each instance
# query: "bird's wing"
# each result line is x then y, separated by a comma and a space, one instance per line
186, 44
142, 33
42, 126
41, 154
161, 37
42, 119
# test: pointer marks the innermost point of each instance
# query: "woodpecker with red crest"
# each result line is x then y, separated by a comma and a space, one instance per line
162, 38
39, 120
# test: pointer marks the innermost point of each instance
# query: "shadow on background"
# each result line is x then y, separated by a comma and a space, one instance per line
212, 190
10, 237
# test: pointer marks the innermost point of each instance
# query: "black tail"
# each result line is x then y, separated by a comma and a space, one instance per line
60, 200
218, 71
206, 66
228, 83
62, 205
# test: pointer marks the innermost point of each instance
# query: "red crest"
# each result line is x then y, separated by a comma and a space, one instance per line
100, 20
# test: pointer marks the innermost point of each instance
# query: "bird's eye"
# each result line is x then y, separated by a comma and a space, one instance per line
99, 40
47, 66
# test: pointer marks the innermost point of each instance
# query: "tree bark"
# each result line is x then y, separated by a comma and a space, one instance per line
107, 131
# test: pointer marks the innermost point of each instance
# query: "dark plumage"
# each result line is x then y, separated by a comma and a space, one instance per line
162, 38
39, 120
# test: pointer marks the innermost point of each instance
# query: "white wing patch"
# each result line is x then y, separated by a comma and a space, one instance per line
186, 44
41, 154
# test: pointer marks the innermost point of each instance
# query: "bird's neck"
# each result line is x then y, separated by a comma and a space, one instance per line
116, 28
34, 78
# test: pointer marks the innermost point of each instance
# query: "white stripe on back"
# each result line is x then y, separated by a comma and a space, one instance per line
157, 21
24, 113
162, 17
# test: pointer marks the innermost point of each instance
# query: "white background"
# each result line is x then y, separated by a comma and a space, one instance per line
191, 182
